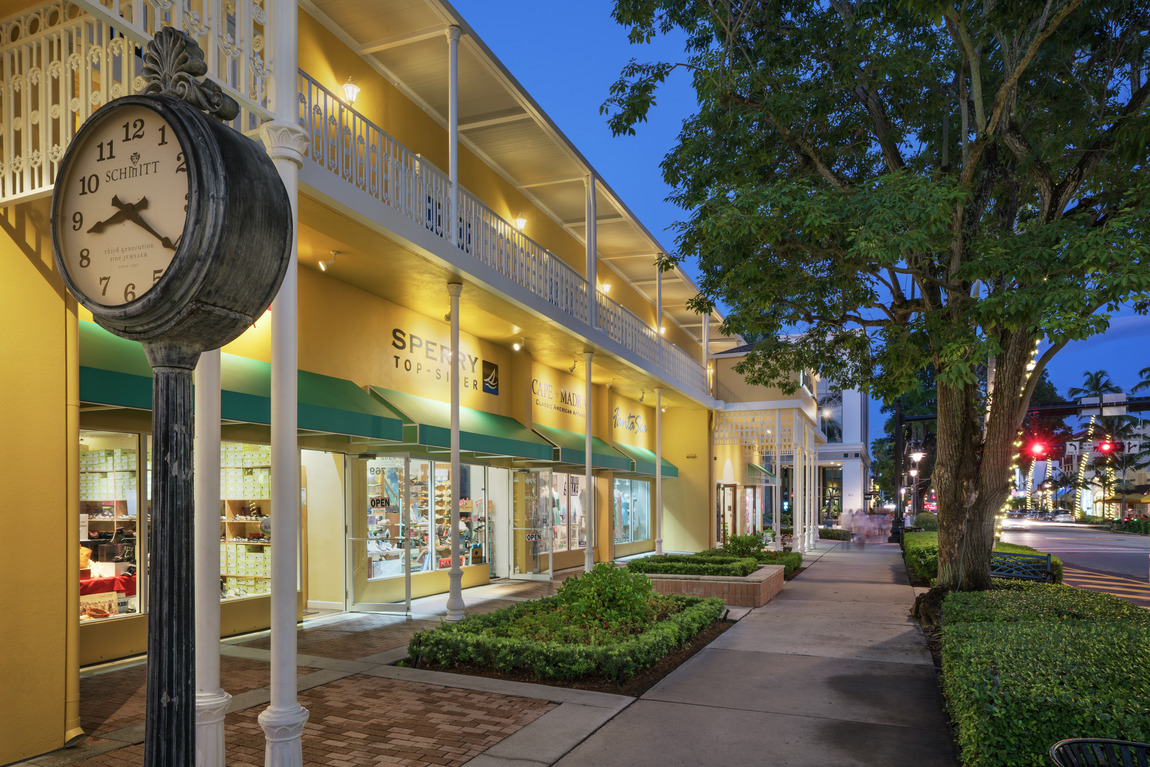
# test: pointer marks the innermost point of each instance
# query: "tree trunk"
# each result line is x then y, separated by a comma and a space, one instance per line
972, 472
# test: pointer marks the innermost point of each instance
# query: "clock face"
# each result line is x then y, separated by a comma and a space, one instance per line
121, 205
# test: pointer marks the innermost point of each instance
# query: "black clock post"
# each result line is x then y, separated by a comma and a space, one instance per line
196, 285
170, 720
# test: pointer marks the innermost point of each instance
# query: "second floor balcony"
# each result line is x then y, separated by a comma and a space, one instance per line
61, 61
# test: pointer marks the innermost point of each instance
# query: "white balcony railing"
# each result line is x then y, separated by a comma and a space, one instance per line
59, 63
346, 144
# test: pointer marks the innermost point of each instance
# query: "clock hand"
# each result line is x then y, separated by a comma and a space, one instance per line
115, 218
132, 213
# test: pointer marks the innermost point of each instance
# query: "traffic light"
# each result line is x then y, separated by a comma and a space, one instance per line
1037, 450
1106, 446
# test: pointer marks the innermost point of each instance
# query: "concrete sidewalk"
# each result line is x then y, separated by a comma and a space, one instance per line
833, 671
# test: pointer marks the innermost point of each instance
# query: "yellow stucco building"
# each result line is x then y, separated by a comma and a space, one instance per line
441, 170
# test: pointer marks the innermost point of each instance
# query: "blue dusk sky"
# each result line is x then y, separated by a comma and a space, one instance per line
567, 55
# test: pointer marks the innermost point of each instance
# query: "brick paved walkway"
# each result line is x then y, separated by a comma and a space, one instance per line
357, 716
362, 720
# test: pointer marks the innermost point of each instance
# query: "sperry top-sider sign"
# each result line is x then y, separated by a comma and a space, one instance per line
430, 359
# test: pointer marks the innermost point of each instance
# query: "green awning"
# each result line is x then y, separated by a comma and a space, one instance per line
429, 424
114, 371
570, 447
754, 468
646, 460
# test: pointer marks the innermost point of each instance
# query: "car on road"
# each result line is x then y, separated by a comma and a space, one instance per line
1015, 520
1062, 516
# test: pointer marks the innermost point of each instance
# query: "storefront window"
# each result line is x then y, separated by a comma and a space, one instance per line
632, 510
112, 527
476, 509
388, 529
567, 501
245, 520
831, 415
560, 537
392, 482
832, 491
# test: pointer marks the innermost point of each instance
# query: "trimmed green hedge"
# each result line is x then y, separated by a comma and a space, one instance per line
1025, 665
790, 560
694, 564
834, 534
1012, 601
1136, 526
472, 640
928, 522
920, 550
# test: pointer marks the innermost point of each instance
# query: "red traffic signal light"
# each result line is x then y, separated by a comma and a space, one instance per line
1038, 449
1106, 447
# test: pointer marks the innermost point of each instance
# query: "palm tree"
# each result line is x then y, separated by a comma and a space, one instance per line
1144, 374
1094, 385
1124, 433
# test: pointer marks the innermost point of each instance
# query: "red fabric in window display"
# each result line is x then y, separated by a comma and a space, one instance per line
124, 583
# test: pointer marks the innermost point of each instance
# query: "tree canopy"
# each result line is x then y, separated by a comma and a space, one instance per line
878, 187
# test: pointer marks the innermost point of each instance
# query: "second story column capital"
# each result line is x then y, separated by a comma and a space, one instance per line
285, 141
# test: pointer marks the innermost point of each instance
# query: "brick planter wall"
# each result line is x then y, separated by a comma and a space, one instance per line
755, 590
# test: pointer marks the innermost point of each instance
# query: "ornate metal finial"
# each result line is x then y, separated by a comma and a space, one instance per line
172, 62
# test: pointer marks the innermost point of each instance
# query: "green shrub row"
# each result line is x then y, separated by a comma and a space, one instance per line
1028, 664
928, 522
1013, 600
693, 564
834, 534
474, 640
920, 550
1137, 526
790, 560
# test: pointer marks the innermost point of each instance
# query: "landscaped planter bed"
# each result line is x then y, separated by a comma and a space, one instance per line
753, 590
609, 624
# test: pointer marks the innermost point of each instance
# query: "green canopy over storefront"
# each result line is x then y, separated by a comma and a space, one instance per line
754, 469
114, 371
570, 447
646, 460
429, 423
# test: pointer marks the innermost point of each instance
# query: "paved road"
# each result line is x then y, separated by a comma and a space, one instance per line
1113, 563
1085, 548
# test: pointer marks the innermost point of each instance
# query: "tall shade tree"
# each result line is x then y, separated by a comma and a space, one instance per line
906, 184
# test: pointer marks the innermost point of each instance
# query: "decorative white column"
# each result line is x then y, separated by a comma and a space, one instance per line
816, 492
592, 268
455, 574
797, 489
706, 354
453, 35
211, 700
659, 312
659, 469
589, 480
284, 718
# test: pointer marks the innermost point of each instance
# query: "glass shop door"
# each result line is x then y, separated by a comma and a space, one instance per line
383, 542
531, 526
